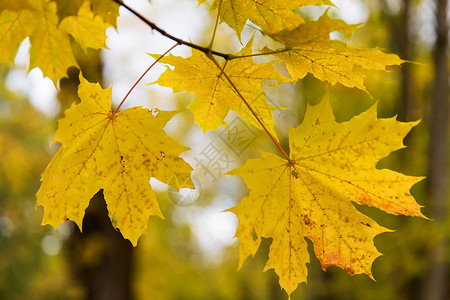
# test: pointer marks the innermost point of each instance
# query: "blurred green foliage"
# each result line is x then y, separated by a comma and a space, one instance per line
27, 271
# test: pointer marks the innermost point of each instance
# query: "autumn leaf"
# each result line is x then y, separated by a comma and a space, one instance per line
114, 152
271, 16
309, 49
104, 9
68, 8
13, 31
333, 165
86, 28
51, 49
14, 5
214, 95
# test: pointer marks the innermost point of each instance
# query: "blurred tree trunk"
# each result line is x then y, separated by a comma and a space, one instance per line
405, 53
400, 39
100, 258
436, 286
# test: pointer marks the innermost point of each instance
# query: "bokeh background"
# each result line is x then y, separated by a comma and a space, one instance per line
193, 254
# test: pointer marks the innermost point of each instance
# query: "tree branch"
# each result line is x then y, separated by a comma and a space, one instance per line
174, 38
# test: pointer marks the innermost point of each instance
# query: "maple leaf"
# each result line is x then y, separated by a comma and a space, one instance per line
214, 95
333, 165
88, 30
310, 50
114, 152
104, 9
68, 8
50, 50
14, 27
14, 5
271, 16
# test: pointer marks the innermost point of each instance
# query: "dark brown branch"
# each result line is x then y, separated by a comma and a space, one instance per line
174, 38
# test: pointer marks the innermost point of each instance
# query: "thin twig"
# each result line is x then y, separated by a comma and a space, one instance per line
164, 33
151, 66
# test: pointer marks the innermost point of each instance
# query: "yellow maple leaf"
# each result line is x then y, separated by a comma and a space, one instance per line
86, 28
51, 50
14, 5
15, 26
309, 49
271, 16
117, 153
104, 9
39, 20
333, 165
214, 95
68, 8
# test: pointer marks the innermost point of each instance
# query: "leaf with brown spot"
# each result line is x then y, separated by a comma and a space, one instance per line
117, 153
333, 166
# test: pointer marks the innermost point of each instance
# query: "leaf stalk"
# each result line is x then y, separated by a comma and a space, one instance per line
209, 53
136, 83
215, 25
213, 59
